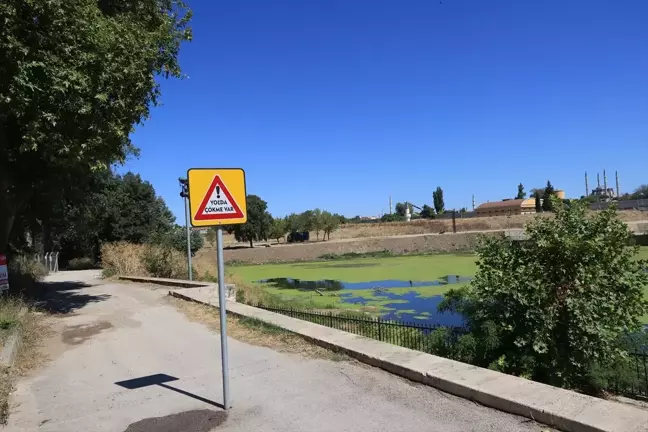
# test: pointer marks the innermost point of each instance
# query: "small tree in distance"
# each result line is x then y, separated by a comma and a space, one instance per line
538, 203
330, 223
317, 221
278, 229
427, 212
437, 197
520, 193
547, 202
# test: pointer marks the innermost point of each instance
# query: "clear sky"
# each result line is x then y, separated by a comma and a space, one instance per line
339, 104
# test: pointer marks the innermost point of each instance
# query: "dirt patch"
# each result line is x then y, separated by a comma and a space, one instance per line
76, 335
188, 421
255, 332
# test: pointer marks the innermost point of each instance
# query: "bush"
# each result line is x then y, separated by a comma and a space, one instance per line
554, 307
177, 239
81, 264
164, 262
24, 273
123, 258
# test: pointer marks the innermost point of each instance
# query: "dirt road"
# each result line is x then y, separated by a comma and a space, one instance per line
123, 359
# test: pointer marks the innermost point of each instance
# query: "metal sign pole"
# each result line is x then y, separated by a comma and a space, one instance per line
190, 271
223, 318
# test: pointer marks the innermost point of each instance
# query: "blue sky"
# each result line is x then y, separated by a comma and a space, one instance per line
339, 104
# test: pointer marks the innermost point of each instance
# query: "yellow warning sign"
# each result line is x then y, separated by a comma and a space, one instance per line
217, 196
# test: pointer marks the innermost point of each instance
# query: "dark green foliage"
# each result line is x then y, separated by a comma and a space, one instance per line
401, 209
135, 213
437, 197
547, 202
554, 308
77, 76
520, 193
258, 224
427, 212
392, 218
176, 238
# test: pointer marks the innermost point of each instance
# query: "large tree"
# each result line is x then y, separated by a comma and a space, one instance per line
104, 208
77, 75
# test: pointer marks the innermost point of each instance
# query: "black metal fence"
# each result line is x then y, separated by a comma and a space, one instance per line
417, 336
631, 381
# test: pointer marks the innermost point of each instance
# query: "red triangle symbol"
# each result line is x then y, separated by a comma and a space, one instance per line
218, 203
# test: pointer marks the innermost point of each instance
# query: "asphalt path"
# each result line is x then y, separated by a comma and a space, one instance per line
121, 358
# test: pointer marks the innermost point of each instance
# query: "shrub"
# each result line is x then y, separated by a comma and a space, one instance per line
123, 258
554, 307
177, 239
81, 264
164, 262
24, 273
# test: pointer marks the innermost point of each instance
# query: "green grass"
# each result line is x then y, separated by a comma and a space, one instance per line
414, 268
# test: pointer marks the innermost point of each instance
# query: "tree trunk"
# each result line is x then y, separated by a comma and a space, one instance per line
8, 211
7, 217
251, 244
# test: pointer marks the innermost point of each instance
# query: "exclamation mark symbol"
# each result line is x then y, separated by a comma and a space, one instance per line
217, 191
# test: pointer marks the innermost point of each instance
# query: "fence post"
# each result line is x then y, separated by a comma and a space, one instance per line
379, 329
331, 319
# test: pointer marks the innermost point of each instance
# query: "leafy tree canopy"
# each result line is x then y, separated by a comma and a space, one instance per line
77, 75
553, 308
258, 224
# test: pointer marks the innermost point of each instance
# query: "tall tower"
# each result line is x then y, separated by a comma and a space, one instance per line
605, 184
586, 185
598, 180
473, 202
390, 205
616, 174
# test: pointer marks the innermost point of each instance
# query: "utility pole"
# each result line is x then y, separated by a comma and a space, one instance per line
184, 193
473, 202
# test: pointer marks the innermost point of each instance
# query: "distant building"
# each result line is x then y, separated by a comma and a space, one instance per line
507, 207
603, 194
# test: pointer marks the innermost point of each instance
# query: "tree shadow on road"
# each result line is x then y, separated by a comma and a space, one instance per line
66, 297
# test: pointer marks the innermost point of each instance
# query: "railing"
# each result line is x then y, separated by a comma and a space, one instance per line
49, 260
632, 382
416, 336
